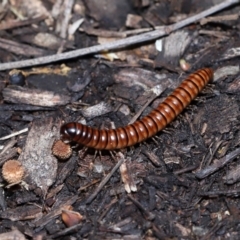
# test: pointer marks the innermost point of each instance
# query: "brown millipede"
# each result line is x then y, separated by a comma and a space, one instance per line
144, 128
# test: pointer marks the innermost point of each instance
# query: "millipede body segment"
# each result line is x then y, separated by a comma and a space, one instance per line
144, 128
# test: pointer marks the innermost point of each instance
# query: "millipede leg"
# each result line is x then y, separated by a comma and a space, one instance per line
97, 152
113, 154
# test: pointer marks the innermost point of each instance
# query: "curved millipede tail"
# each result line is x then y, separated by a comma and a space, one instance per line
144, 128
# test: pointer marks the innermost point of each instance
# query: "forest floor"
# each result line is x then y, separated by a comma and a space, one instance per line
106, 64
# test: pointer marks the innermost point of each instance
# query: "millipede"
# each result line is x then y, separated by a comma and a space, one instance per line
144, 128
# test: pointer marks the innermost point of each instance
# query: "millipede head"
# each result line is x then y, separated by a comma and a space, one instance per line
68, 132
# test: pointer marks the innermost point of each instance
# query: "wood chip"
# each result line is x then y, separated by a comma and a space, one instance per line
127, 178
96, 110
39, 163
35, 97
173, 48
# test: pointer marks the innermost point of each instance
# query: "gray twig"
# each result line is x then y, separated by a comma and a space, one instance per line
159, 32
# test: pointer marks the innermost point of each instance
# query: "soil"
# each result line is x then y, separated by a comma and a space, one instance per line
180, 184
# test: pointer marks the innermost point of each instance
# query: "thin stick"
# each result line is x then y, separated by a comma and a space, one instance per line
14, 134
106, 179
160, 32
203, 173
68, 4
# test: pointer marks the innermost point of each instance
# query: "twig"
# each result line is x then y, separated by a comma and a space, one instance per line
218, 164
14, 24
160, 32
112, 34
106, 179
20, 48
68, 4
229, 193
8, 146
14, 134
231, 17
149, 216
202, 14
